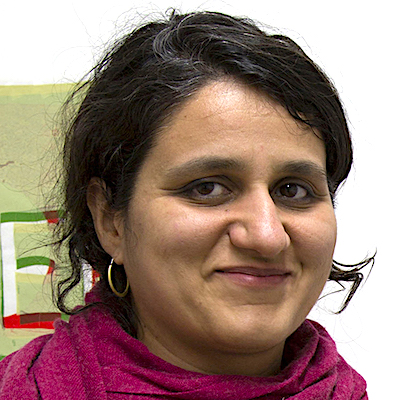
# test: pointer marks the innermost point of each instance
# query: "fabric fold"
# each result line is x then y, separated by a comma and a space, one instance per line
92, 357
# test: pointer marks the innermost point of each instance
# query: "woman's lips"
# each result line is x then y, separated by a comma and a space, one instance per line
252, 276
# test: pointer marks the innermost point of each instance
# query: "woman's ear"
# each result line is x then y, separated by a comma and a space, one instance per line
107, 222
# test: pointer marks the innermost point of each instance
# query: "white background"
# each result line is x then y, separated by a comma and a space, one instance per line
357, 44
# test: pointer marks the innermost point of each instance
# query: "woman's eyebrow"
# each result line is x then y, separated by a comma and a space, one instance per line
205, 164
212, 163
303, 168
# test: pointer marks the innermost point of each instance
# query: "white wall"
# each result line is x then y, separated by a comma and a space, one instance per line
356, 42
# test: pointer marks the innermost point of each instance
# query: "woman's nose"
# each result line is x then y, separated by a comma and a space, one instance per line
257, 225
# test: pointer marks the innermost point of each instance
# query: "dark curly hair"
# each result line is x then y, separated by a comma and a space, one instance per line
139, 84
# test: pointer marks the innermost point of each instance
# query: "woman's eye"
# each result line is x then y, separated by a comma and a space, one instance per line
293, 194
210, 189
293, 191
206, 191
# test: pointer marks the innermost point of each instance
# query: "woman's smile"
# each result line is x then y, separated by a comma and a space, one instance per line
230, 233
252, 277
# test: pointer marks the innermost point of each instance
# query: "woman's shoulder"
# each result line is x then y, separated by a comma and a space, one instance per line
16, 380
52, 364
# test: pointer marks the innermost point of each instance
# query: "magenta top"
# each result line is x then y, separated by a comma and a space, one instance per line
92, 357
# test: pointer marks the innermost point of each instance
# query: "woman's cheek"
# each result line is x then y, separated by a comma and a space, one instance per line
315, 239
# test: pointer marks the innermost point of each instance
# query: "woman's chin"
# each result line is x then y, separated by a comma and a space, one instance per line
248, 337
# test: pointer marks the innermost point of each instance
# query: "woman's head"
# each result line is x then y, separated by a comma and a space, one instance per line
229, 235
147, 78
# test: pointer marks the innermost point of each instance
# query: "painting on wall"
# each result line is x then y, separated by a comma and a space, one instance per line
26, 270
28, 157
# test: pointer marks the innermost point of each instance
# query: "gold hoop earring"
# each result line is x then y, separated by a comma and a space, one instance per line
110, 282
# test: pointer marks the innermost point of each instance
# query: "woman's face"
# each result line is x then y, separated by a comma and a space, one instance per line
230, 233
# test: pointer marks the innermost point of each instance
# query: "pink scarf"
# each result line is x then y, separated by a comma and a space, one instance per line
92, 357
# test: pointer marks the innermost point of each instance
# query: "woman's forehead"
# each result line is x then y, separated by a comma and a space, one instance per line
226, 120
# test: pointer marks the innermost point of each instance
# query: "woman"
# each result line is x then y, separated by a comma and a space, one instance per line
200, 175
